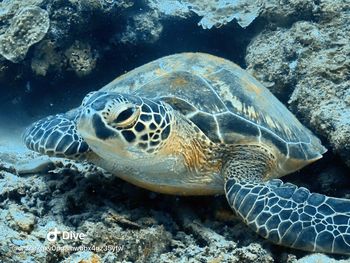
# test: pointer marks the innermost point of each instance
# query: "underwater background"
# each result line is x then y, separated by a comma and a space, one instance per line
53, 52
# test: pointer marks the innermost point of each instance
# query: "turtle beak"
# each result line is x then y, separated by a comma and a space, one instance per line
102, 140
91, 126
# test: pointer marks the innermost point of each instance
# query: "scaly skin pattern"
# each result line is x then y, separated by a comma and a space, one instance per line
193, 123
292, 216
56, 136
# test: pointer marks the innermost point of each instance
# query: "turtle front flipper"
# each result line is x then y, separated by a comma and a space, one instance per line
283, 213
56, 136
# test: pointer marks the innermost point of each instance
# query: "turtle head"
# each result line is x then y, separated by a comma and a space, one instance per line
122, 126
145, 142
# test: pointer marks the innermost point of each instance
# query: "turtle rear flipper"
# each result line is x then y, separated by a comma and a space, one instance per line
283, 213
56, 136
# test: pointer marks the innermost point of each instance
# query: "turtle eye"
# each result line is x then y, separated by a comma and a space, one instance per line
127, 117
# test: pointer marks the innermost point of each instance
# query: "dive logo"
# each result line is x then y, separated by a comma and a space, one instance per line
66, 235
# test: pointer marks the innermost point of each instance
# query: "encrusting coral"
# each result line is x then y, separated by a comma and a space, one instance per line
28, 27
214, 13
81, 58
308, 63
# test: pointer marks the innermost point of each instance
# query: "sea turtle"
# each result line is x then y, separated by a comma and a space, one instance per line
196, 124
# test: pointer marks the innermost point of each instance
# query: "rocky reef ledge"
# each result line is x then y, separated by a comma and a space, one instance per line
52, 52
117, 221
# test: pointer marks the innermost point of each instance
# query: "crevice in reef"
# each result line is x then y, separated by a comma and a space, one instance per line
299, 49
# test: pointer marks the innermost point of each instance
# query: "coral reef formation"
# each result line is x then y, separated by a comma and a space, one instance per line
81, 58
213, 13
47, 57
120, 222
28, 27
56, 30
63, 22
299, 49
309, 63
142, 28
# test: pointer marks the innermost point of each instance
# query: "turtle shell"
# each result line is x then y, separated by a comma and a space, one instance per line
223, 100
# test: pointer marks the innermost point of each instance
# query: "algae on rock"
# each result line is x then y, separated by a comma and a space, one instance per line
81, 57
309, 63
142, 28
47, 57
28, 27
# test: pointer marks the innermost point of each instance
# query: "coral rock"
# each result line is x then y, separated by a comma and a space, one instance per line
28, 27
142, 28
20, 220
82, 59
309, 64
213, 12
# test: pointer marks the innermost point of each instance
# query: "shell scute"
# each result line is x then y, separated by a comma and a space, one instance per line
223, 100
